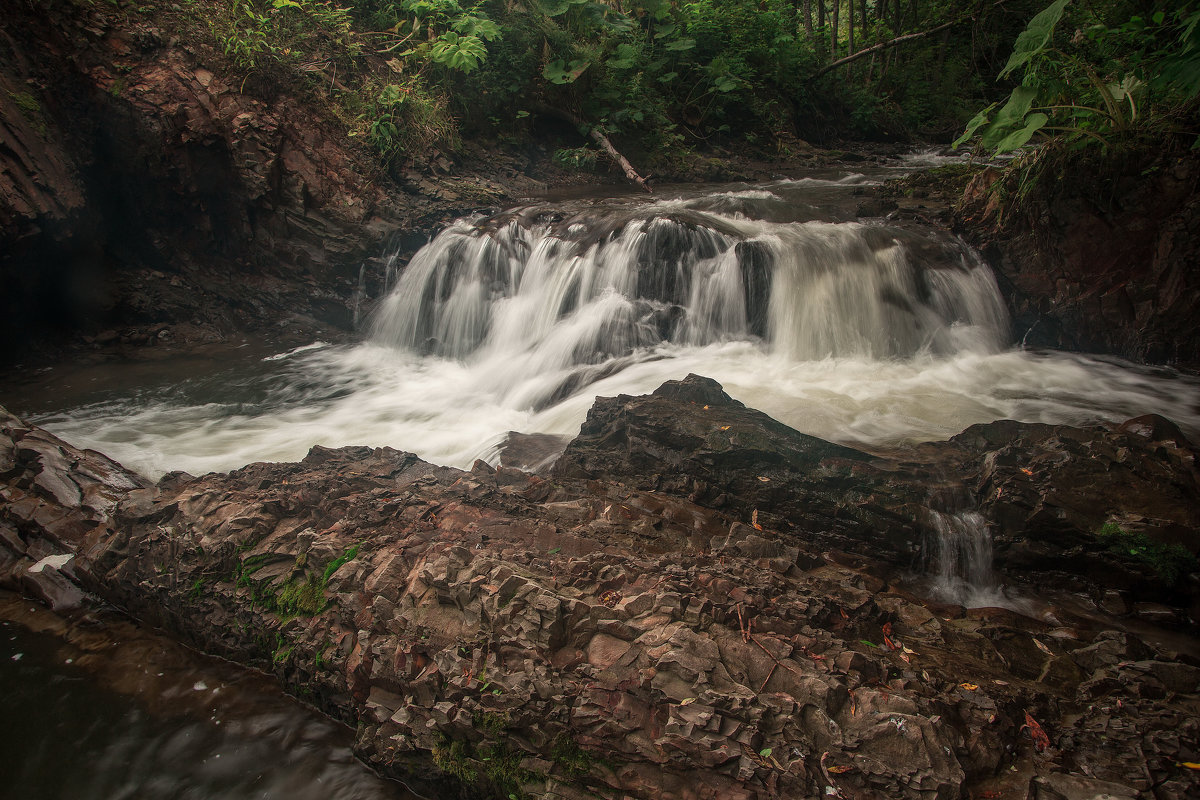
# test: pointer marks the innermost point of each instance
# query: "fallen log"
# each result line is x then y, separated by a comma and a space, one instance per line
601, 139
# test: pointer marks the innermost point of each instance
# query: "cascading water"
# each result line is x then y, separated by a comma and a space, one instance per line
548, 307
959, 552
860, 332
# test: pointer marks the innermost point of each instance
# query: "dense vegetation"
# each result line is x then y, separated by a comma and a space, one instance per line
663, 77
659, 76
1099, 74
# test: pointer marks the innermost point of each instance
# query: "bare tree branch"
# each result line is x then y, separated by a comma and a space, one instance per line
601, 139
908, 37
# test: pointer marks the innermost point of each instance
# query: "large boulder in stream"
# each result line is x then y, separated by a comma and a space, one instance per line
689, 438
618, 628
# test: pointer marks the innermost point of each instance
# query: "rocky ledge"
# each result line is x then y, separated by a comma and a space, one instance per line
696, 602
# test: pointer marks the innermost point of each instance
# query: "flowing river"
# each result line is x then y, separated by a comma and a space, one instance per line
863, 332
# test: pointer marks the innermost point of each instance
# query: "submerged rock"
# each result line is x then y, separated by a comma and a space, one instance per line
654, 619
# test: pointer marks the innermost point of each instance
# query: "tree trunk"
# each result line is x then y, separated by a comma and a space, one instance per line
808, 26
941, 60
850, 32
833, 39
821, 25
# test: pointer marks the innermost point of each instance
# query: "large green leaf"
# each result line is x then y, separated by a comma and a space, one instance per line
1021, 136
1018, 105
463, 53
977, 122
560, 72
1035, 37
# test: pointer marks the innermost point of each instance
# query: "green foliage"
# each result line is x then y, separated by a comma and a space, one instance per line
31, 109
581, 158
573, 760
1095, 75
660, 76
256, 33
454, 759
1170, 562
294, 597
337, 563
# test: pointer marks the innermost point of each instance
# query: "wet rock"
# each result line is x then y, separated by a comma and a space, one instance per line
1059, 786
1099, 259
628, 626
1117, 506
690, 438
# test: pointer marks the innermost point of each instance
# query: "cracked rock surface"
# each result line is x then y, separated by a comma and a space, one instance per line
653, 620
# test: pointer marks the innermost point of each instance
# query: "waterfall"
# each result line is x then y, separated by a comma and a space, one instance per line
554, 302
961, 550
958, 555
864, 332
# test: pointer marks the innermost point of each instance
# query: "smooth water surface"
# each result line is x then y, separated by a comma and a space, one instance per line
101, 709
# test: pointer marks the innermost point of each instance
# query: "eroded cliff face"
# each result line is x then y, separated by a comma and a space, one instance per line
144, 188
1101, 256
699, 603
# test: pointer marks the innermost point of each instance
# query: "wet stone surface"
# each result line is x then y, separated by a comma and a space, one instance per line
696, 602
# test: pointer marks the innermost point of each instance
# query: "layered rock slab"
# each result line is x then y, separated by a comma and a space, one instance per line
584, 634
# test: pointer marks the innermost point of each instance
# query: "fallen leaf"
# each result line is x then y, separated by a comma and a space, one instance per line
970, 687
887, 640
765, 752
904, 657
1043, 648
999, 682
935, 719
1040, 740
1188, 764
838, 770
1027, 471
687, 701
842, 611
764, 480
887, 629
754, 520
907, 650
724, 427
706, 408
868, 644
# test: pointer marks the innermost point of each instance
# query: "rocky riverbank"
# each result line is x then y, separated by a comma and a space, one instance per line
153, 196
696, 601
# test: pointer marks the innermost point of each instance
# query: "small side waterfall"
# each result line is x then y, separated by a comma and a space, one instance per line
961, 555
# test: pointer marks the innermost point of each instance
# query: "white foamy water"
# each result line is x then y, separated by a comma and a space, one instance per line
851, 332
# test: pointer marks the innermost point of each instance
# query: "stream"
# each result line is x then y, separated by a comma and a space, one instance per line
866, 332
859, 331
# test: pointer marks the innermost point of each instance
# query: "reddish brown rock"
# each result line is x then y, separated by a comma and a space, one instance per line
580, 635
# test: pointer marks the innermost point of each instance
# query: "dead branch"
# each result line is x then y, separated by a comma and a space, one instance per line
598, 136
